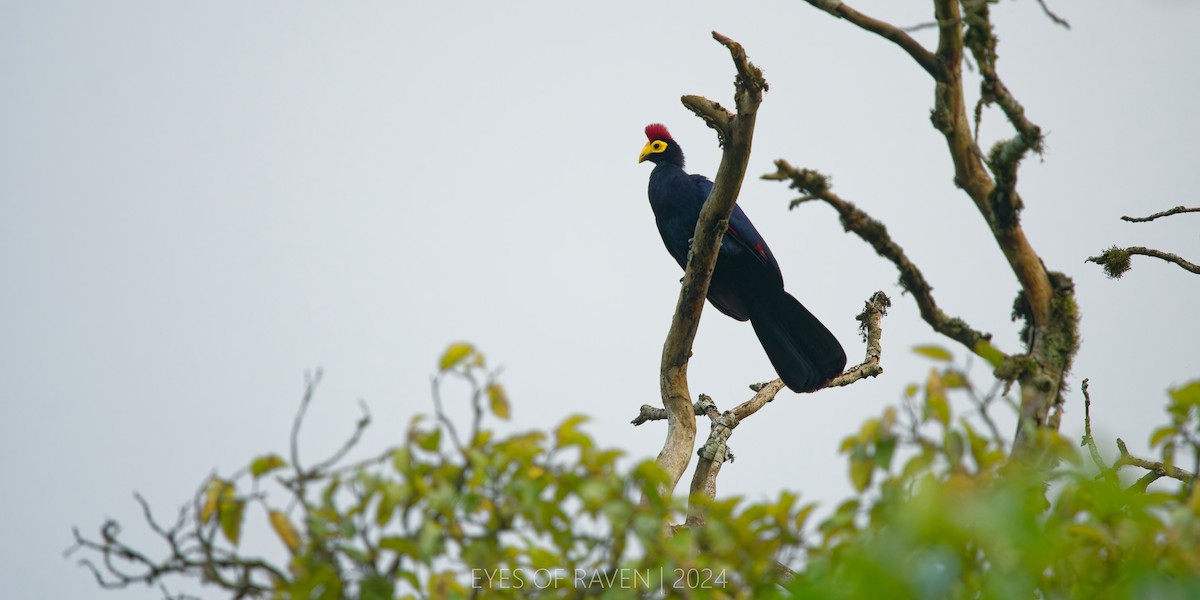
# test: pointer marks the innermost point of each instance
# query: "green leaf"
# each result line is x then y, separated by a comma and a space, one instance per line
978, 444
934, 352
230, 511
399, 545
885, 449
988, 352
212, 497
803, 514
860, 473
285, 530
955, 380
402, 460
429, 541
454, 355
568, 435
917, 464
1187, 394
498, 400
954, 445
1161, 434
391, 496
939, 408
376, 587
265, 464
429, 441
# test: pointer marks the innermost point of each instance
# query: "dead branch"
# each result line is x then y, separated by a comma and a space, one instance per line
1053, 17
1166, 213
1154, 467
1115, 261
715, 451
1047, 299
190, 553
736, 133
887, 31
854, 220
870, 325
1088, 440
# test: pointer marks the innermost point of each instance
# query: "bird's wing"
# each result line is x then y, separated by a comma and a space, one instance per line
742, 231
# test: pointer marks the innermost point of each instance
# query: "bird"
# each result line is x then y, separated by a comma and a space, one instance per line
747, 283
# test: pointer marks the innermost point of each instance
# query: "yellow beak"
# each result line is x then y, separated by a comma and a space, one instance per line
647, 150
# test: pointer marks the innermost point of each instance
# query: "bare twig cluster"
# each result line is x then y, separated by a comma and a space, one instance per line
1155, 470
198, 544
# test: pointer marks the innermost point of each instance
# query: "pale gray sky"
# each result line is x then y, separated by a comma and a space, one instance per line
199, 201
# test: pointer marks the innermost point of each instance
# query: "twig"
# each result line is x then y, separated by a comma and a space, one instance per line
1156, 468
981, 407
870, 326
363, 422
311, 380
896, 35
1115, 261
654, 413
1053, 17
1165, 213
919, 26
1090, 441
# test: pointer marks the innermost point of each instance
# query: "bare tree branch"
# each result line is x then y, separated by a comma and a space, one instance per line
1053, 17
1116, 260
1155, 467
871, 328
654, 413
919, 27
890, 32
1166, 213
311, 381
1046, 302
1088, 440
875, 233
736, 133
715, 450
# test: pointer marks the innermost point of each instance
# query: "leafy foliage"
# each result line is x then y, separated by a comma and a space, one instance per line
960, 519
941, 512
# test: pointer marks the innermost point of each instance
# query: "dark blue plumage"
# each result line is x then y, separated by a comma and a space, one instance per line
746, 283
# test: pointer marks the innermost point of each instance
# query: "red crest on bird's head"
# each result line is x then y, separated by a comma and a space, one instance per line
658, 131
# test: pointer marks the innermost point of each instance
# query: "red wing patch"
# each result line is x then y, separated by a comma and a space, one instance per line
757, 247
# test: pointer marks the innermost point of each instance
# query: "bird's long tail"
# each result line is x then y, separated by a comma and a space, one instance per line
802, 350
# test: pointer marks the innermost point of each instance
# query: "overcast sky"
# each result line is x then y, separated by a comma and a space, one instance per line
199, 201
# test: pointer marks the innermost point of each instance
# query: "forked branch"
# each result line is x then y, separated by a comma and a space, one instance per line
735, 132
715, 450
1115, 260
870, 326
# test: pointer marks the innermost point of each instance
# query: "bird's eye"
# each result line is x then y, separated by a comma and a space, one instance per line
659, 146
